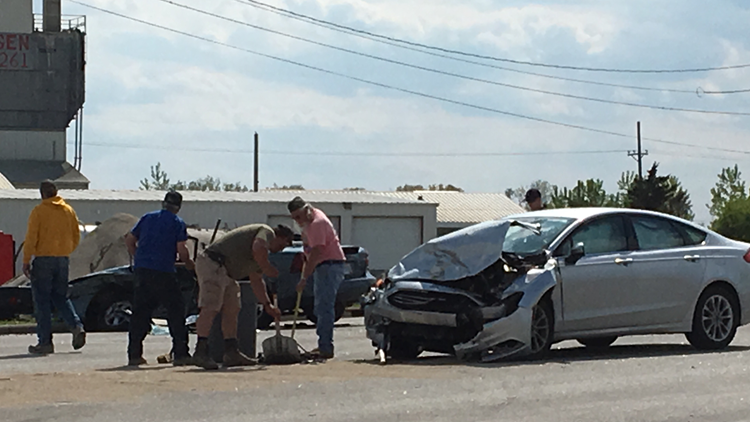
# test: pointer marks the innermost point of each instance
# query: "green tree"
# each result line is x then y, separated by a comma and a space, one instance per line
518, 194
730, 186
160, 181
437, 187
659, 193
734, 220
285, 187
588, 193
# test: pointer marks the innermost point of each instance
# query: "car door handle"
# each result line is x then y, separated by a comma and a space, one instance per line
692, 258
623, 261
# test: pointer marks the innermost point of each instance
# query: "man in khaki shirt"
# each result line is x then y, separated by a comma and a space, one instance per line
243, 252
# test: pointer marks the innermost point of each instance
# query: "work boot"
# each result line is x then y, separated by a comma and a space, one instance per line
201, 357
317, 353
79, 338
137, 361
183, 361
42, 349
233, 357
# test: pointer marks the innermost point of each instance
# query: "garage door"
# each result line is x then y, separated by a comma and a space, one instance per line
275, 220
386, 239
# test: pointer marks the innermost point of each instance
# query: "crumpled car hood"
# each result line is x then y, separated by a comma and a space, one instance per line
463, 253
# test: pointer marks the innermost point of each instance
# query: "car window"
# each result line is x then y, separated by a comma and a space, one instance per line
605, 235
655, 233
694, 236
523, 241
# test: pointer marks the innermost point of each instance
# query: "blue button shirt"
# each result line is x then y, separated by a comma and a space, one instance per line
158, 233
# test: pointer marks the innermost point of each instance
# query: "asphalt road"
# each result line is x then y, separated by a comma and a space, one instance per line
653, 378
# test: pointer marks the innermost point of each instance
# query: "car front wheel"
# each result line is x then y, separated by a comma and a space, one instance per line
542, 329
715, 320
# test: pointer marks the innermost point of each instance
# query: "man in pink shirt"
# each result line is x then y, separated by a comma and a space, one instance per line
324, 261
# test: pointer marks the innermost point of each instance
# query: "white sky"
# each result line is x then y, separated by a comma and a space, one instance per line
165, 95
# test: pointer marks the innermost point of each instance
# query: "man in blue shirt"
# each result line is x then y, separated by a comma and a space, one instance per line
155, 242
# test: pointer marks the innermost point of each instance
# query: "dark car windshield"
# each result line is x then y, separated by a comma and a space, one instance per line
521, 240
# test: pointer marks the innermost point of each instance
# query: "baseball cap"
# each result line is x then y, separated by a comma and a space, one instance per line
173, 198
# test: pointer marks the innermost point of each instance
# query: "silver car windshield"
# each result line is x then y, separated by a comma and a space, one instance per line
520, 240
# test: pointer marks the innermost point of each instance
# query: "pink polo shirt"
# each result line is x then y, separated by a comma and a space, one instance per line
320, 232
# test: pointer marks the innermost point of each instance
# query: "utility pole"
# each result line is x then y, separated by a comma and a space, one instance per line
255, 167
639, 154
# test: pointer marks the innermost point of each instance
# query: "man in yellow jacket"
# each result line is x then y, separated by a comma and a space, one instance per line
52, 235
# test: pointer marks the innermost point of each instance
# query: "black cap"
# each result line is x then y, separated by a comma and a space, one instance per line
173, 198
532, 195
296, 204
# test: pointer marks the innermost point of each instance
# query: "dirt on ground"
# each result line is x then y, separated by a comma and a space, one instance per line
129, 384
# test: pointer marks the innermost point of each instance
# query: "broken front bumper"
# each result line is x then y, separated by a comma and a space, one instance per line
502, 331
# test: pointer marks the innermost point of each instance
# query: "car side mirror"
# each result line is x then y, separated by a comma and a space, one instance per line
576, 253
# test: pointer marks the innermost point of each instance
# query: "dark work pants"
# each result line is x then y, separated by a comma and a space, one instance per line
154, 288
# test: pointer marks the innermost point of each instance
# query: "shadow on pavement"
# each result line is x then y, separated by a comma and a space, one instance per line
569, 355
126, 368
22, 356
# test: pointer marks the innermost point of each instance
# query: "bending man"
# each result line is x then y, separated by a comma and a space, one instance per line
238, 254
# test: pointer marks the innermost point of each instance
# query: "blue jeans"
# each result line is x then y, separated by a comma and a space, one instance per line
49, 286
327, 278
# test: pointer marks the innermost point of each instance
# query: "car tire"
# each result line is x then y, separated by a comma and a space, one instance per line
542, 329
403, 349
715, 319
309, 311
110, 311
597, 343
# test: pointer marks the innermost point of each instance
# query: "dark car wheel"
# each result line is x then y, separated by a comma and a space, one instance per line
542, 329
404, 349
309, 311
110, 311
715, 320
597, 343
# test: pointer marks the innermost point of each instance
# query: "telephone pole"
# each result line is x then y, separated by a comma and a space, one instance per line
255, 167
639, 154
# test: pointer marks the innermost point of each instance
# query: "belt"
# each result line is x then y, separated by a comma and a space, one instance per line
332, 261
215, 256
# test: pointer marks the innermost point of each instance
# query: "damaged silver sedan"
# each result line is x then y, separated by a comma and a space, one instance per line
516, 286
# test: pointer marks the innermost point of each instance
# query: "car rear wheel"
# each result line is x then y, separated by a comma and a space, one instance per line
542, 329
715, 320
597, 343
111, 312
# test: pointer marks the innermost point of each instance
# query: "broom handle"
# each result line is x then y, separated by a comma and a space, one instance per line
296, 312
278, 321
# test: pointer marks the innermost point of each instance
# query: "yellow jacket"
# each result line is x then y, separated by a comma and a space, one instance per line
53, 230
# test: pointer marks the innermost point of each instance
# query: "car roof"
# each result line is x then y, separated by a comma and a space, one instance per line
585, 213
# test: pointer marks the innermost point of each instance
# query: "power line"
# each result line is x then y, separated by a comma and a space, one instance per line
339, 28
487, 65
354, 153
394, 88
255, 3
451, 74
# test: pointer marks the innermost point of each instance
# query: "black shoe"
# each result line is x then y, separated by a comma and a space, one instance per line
137, 362
79, 338
183, 361
42, 349
234, 357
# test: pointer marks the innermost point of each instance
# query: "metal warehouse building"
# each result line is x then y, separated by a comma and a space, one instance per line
387, 227
457, 210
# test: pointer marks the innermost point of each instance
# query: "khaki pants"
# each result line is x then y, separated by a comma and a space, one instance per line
218, 292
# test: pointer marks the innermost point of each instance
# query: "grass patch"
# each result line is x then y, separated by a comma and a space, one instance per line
19, 320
